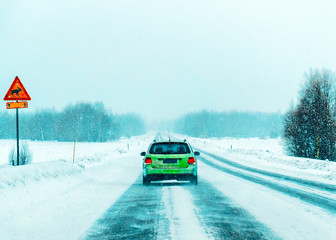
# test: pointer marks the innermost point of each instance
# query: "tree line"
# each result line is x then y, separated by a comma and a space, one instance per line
230, 124
90, 122
308, 128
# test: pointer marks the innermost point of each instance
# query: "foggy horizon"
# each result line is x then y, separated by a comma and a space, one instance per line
165, 59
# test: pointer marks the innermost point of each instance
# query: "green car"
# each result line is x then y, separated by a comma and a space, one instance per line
167, 160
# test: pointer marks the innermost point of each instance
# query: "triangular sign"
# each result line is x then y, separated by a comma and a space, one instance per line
17, 91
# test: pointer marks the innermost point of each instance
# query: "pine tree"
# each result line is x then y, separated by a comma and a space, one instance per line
309, 128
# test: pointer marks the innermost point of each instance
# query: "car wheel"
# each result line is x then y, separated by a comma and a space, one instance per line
145, 180
193, 180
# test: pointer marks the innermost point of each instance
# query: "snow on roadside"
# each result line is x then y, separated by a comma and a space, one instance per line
54, 199
23, 175
267, 154
52, 159
87, 153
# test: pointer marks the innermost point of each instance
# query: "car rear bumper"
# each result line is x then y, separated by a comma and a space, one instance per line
160, 177
171, 172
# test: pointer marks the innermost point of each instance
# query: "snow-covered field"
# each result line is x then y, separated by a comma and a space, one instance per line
52, 198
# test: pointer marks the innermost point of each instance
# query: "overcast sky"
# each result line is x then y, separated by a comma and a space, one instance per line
163, 58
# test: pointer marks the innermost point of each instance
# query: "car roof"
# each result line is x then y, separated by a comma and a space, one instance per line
170, 141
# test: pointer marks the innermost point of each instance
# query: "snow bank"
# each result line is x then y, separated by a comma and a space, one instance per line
54, 199
53, 159
23, 175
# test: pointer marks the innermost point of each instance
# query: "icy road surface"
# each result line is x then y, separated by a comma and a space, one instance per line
177, 211
228, 203
102, 196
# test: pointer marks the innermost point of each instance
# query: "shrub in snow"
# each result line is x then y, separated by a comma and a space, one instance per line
25, 155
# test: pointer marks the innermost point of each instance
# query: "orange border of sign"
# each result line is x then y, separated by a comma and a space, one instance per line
17, 80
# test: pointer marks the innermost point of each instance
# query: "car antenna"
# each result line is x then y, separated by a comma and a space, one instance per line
169, 138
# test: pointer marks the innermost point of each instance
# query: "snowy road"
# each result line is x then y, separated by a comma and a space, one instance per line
176, 211
102, 196
231, 202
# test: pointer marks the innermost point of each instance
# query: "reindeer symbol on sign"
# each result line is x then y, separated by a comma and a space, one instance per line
16, 91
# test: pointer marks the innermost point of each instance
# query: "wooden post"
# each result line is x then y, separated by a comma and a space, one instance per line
74, 152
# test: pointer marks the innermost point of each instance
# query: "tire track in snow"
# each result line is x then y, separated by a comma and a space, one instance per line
173, 211
309, 183
136, 215
224, 219
311, 198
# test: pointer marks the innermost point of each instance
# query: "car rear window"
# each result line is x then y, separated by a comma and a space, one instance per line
169, 148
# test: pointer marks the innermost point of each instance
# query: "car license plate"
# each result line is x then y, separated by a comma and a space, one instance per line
169, 160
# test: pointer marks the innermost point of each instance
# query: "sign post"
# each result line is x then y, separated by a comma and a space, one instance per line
17, 92
17, 139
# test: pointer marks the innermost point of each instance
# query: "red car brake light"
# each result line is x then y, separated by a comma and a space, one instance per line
191, 161
148, 161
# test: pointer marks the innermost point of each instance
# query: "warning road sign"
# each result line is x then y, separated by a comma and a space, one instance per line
17, 91
13, 105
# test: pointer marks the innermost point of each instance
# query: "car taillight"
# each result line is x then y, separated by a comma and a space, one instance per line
191, 161
148, 161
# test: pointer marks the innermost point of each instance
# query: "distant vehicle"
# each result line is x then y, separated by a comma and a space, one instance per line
167, 160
